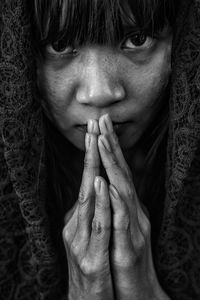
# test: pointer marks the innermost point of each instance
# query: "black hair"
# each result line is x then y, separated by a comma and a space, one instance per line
98, 21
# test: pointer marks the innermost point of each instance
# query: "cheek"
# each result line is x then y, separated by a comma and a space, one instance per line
153, 86
56, 90
149, 81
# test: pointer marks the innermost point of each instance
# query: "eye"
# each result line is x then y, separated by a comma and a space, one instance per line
138, 41
60, 48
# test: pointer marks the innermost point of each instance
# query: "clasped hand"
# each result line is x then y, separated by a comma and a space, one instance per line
107, 233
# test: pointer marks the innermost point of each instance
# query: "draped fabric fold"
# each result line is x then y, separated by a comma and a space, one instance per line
179, 243
29, 267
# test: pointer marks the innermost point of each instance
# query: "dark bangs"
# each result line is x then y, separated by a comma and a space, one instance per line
99, 21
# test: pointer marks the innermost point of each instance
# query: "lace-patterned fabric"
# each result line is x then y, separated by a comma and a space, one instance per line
29, 267
179, 247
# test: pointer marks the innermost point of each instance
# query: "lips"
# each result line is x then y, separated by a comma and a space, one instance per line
119, 127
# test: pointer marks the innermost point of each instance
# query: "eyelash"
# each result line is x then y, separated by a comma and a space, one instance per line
145, 42
70, 51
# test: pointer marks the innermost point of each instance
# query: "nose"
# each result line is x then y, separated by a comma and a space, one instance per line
99, 84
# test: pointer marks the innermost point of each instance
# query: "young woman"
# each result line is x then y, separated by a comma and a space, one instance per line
103, 74
103, 70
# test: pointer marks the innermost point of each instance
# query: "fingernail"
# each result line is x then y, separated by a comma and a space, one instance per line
108, 123
97, 184
106, 144
95, 127
113, 191
90, 127
87, 140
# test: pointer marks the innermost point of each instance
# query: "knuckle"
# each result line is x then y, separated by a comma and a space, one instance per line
88, 268
124, 216
130, 191
123, 261
125, 222
87, 162
74, 249
90, 163
102, 204
112, 163
82, 197
140, 246
99, 227
122, 221
66, 233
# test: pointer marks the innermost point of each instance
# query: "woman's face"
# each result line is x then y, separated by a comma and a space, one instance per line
127, 81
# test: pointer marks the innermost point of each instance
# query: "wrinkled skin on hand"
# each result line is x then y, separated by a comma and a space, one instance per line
87, 232
108, 241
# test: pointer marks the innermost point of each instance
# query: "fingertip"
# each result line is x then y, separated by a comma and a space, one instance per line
100, 184
102, 125
93, 126
96, 127
87, 141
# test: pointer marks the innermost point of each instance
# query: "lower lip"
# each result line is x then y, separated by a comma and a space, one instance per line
118, 128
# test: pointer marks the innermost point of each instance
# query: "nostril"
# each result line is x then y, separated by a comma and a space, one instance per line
100, 94
81, 96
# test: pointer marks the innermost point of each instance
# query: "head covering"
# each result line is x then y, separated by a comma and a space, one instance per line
29, 267
179, 244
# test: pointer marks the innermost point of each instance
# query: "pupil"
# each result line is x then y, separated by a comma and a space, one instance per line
138, 39
59, 45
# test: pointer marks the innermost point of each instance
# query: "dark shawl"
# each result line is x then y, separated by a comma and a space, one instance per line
29, 267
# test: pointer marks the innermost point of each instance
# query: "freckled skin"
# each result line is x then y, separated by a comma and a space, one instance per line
99, 79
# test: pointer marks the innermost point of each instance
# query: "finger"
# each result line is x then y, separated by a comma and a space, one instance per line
124, 222
93, 127
100, 235
116, 174
114, 162
91, 170
70, 215
106, 128
122, 246
112, 157
70, 227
